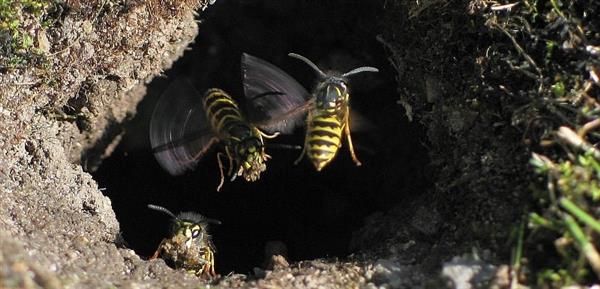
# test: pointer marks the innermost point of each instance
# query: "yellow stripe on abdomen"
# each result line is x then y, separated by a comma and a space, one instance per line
324, 138
221, 109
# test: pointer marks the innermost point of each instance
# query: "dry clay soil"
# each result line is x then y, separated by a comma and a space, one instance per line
57, 229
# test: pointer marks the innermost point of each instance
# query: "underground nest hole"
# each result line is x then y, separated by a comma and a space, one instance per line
313, 213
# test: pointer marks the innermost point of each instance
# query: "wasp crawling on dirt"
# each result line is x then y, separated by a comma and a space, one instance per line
185, 125
328, 117
189, 246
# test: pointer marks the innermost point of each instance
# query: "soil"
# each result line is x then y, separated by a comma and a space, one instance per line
445, 175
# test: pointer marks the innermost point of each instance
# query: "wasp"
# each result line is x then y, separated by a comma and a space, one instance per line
189, 246
185, 124
328, 119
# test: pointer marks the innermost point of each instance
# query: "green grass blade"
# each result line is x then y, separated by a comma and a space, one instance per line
587, 248
580, 214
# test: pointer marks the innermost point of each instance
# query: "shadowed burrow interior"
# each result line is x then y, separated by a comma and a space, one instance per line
312, 213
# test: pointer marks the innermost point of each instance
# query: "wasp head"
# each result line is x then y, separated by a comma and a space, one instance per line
187, 226
251, 157
332, 86
330, 92
190, 227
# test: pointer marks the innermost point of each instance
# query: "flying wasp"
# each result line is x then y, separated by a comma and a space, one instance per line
185, 125
189, 246
328, 117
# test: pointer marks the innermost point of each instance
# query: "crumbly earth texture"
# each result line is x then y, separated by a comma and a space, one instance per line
57, 230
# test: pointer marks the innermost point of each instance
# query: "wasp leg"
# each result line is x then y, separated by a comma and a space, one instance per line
157, 253
230, 170
309, 117
274, 135
198, 267
301, 154
219, 154
211, 142
261, 134
210, 266
349, 138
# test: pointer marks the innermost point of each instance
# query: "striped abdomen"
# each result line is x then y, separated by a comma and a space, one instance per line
222, 111
243, 143
324, 136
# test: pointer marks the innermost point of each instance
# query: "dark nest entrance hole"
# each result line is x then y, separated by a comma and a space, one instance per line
314, 214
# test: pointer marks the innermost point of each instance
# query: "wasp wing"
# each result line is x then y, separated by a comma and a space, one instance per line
276, 101
180, 133
359, 122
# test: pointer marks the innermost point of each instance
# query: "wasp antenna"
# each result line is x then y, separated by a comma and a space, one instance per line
360, 70
161, 209
213, 221
310, 63
284, 146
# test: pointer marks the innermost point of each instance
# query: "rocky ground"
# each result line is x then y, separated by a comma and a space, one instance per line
461, 76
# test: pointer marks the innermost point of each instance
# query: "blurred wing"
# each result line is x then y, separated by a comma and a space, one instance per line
358, 122
276, 101
361, 124
180, 133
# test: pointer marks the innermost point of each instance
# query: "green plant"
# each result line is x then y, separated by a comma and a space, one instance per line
19, 20
571, 209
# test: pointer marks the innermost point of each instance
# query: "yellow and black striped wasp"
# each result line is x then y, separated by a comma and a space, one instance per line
189, 246
328, 119
185, 124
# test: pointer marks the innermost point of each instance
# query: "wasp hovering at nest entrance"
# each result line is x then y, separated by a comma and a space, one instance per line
189, 246
185, 124
328, 119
